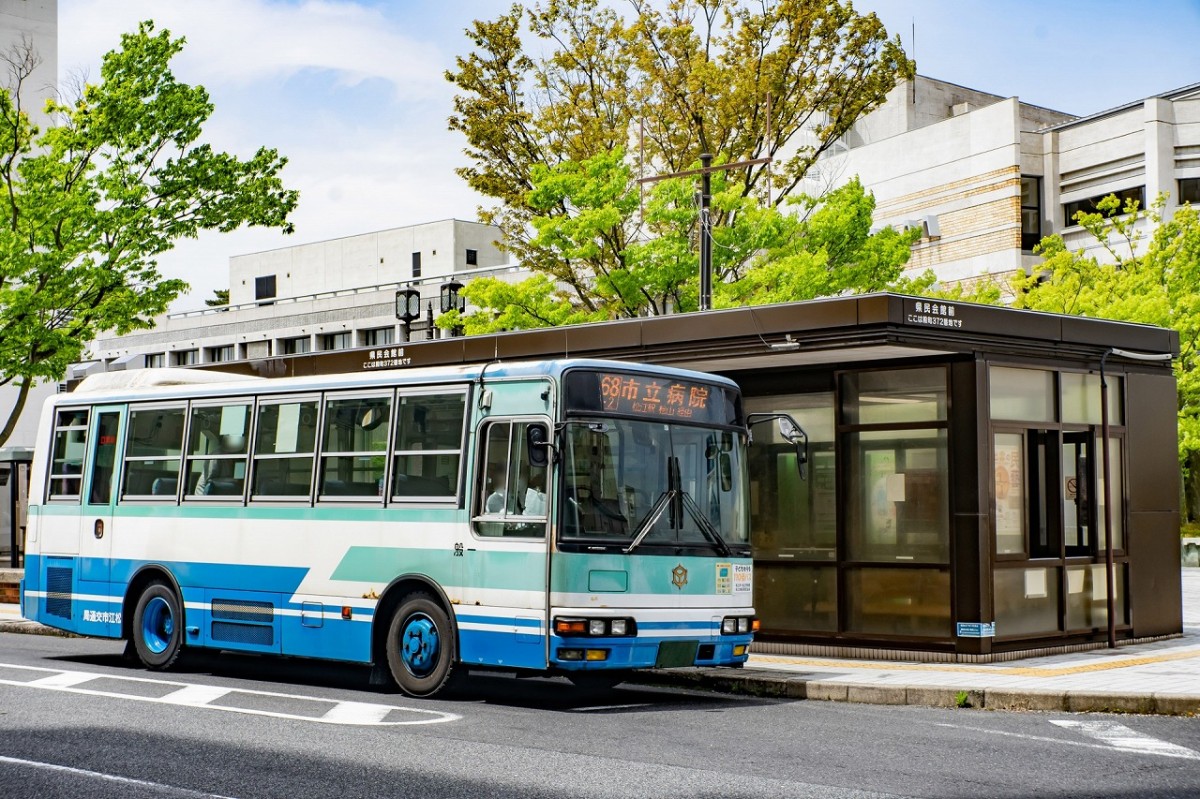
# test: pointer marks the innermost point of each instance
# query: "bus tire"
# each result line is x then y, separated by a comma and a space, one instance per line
421, 651
158, 627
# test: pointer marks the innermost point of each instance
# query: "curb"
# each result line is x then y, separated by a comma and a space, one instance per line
770, 684
773, 685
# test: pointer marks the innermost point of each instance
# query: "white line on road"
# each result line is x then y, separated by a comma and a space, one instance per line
158, 786
63, 679
203, 696
1118, 736
1107, 744
195, 695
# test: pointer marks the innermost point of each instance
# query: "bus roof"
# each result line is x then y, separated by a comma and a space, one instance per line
167, 383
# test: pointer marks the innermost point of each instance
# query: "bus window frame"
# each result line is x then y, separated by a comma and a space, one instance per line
512, 526
188, 458
322, 453
458, 498
263, 401
124, 496
51, 475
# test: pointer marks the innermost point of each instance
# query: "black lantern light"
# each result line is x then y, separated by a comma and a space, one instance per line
451, 300
408, 305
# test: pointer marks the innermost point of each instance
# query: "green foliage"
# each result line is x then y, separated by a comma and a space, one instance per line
763, 256
219, 299
87, 205
681, 79
1157, 284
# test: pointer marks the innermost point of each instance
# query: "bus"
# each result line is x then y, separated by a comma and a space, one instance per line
570, 517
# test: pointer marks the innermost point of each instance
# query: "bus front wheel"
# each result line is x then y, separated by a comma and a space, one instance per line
421, 650
158, 627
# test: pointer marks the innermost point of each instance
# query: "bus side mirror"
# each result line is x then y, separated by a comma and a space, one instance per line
790, 431
537, 445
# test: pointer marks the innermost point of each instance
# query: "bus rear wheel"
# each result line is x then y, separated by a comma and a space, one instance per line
158, 627
421, 650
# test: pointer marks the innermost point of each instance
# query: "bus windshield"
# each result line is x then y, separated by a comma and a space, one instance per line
644, 484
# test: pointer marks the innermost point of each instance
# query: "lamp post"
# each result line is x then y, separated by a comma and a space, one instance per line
452, 300
408, 309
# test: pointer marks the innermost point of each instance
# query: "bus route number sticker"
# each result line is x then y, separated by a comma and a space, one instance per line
734, 578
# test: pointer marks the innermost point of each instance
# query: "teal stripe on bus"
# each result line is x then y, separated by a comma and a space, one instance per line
520, 571
645, 574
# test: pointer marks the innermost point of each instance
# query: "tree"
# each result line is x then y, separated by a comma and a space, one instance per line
118, 176
1157, 284
219, 298
765, 254
696, 76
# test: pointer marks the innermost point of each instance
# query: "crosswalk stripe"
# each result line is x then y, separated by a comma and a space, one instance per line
195, 695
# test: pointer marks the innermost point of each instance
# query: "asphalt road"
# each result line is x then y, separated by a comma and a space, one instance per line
76, 720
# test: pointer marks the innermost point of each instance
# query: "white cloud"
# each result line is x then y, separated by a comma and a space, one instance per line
343, 89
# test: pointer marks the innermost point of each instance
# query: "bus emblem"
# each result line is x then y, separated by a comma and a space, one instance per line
679, 577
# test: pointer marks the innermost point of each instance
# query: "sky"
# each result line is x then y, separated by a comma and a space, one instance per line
353, 91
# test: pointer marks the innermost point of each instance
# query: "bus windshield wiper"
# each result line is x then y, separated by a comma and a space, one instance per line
647, 524
706, 527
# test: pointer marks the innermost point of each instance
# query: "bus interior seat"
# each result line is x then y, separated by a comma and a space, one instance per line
163, 486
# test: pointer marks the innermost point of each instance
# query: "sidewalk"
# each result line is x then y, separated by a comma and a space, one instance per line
1156, 678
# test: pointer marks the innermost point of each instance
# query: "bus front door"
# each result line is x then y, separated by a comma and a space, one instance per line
96, 525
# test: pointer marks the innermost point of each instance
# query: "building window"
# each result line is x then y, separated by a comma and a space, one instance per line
377, 337
472, 257
335, 341
1088, 206
264, 288
220, 354
156, 360
185, 358
416, 264
1031, 212
1189, 191
295, 346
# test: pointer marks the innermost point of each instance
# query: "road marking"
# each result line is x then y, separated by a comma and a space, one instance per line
195, 695
601, 708
1122, 738
1118, 736
157, 786
237, 700
63, 679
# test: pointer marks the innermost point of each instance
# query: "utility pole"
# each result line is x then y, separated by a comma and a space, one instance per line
705, 172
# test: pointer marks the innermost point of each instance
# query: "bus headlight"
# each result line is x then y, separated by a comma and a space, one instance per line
739, 625
574, 627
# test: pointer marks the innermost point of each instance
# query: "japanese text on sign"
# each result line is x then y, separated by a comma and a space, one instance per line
651, 396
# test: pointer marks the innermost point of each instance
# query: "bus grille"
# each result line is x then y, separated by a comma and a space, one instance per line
259, 635
58, 591
243, 610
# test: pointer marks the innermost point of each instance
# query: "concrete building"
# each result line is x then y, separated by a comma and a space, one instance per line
328, 295
986, 177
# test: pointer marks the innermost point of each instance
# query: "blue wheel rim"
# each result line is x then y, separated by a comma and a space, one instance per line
158, 625
419, 645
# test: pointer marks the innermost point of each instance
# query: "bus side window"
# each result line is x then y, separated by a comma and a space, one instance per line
217, 450
153, 452
354, 447
104, 458
510, 498
427, 460
66, 464
284, 444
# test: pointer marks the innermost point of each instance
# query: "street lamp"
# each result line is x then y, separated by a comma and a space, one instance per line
408, 305
451, 299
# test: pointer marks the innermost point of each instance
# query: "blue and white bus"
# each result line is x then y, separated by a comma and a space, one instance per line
571, 517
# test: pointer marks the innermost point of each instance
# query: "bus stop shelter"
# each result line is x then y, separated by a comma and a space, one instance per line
981, 481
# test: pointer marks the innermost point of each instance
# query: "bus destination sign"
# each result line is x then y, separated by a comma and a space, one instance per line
644, 395
650, 396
